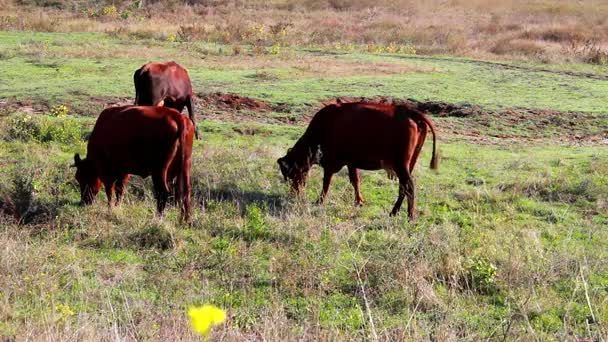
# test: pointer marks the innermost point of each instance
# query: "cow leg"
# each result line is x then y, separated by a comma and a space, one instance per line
160, 193
109, 186
406, 188
327, 174
355, 180
120, 185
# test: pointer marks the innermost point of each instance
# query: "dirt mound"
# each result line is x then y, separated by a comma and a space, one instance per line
438, 108
234, 102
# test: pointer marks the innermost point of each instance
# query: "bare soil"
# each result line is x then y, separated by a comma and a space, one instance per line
470, 122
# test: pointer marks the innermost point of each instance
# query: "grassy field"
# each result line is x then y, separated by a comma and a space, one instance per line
510, 242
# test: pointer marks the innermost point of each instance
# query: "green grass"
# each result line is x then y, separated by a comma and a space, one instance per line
54, 74
509, 243
535, 214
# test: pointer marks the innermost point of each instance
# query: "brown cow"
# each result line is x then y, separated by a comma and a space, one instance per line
164, 84
361, 136
143, 141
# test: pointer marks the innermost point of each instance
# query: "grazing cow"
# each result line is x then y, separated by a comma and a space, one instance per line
361, 136
164, 84
143, 141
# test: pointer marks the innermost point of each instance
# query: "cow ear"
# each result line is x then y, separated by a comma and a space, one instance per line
77, 160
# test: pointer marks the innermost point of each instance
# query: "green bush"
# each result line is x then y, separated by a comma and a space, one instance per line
482, 274
255, 226
43, 129
24, 128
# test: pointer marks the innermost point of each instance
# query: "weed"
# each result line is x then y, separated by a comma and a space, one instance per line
482, 274
60, 110
109, 11
255, 224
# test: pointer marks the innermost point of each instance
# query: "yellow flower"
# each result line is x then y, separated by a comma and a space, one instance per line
204, 317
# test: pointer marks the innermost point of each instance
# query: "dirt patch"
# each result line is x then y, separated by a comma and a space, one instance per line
23, 107
237, 108
233, 102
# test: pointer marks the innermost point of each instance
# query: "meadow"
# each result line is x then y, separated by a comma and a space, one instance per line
510, 241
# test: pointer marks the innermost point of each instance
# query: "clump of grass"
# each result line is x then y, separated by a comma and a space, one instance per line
153, 235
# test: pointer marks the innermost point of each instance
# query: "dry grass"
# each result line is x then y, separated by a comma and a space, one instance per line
552, 31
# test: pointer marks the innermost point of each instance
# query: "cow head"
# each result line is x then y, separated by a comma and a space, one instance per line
87, 178
295, 166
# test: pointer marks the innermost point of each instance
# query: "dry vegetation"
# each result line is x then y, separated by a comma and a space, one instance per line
549, 31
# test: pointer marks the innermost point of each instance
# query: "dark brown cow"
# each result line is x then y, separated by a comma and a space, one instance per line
361, 136
143, 141
164, 84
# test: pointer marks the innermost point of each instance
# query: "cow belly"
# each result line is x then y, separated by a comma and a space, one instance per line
140, 162
388, 166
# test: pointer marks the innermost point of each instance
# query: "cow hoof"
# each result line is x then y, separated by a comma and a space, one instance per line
359, 203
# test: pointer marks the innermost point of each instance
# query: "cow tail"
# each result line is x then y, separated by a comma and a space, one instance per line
136, 83
190, 107
183, 176
435, 157
425, 120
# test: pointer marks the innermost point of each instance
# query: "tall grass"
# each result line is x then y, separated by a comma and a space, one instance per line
550, 31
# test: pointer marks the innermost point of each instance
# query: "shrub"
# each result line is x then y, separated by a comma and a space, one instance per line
109, 11
60, 110
44, 129
23, 128
481, 274
61, 131
255, 226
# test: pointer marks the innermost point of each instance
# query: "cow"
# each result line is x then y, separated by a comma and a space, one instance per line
164, 84
361, 136
137, 140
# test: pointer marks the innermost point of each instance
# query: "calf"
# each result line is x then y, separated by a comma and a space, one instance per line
143, 141
164, 84
361, 136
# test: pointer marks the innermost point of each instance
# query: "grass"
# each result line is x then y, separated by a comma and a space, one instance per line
545, 31
60, 73
286, 267
510, 241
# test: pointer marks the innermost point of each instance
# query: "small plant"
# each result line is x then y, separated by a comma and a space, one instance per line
109, 11
125, 14
60, 110
90, 12
481, 274
64, 311
171, 37
23, 128
275, 49
255, 226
